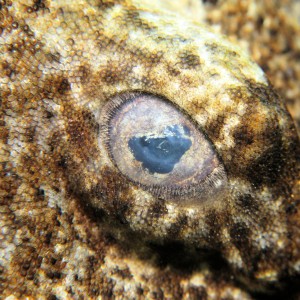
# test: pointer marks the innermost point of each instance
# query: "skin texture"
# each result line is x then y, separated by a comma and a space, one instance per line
72, 226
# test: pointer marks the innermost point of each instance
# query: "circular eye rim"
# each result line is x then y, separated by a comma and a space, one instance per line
215, 182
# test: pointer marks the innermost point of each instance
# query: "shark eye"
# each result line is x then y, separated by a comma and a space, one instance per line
158, 147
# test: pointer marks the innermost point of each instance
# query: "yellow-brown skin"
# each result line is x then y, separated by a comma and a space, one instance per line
71, 224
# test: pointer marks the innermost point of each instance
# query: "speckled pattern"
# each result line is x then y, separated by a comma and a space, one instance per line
72, 226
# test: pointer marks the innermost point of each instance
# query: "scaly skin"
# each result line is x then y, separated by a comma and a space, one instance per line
72, 226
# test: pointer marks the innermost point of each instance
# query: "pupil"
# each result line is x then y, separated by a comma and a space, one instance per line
160, 154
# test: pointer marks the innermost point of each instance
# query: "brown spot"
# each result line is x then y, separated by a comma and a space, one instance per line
82, 129
239, 234
197, 292
30, 134
243, 136
176, 227
78, 132
83, 73
53, 57
104, 4
268, 167
111, 75
265, 93
292, 208
215, 126
212, 2
37, 5
132, 16
123, 273
4, 134
188, 60
172, 71
64, 86
158, 209
213, 221
15, 25
158, 294
247, 202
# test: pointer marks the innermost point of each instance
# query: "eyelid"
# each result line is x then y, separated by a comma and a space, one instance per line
191, 173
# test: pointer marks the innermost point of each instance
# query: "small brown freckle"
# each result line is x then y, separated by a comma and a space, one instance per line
177, 226
189, 60
173, 71
158, 209
243, 137
197, 292
64, 86
158, 294
212, 2
139, 291
15, 25
70, 42
292, 208
26, 265
26, 28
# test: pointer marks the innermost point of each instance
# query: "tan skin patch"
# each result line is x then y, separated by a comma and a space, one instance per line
72, 224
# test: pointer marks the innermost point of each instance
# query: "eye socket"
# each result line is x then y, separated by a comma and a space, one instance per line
156, 146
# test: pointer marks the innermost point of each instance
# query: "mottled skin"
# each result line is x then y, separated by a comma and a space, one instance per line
71, 225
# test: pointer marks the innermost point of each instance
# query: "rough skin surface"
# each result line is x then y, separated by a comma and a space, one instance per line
71, 225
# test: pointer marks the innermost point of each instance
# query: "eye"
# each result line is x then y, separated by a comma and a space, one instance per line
158, 147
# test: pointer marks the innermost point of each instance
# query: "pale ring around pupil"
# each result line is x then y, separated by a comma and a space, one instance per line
161, 154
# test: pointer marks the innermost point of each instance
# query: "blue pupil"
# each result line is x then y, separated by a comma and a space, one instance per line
160, 154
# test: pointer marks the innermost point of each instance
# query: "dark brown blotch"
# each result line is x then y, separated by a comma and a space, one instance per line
8, 69
105, 4
214, 127
132, 17
158, 209
189, 60
243, 136
82, 129
30, 134
122, 273
64, 86
197, 292
217, 48
269, 165
53, 57
84, 73
172, 71
176, 227
248, 203
214, 221
112, 75
37, 5
114, 191
265, 93
239, 233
